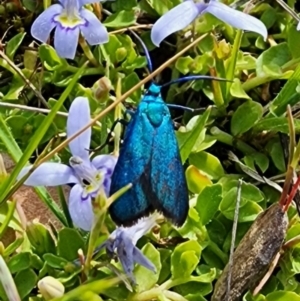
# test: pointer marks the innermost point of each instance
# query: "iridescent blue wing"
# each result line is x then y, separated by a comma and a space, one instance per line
168, 180
132, 167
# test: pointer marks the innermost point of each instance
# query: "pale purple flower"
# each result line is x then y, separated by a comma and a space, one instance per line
185, 13
88, 176
69, 18
122, 243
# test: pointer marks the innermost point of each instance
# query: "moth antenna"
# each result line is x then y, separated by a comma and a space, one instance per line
180, 107
194, 77
149, 62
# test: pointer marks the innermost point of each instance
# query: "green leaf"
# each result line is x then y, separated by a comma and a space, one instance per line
110, 49
208, 202
68, 243
165, 259
287, 95
249, 192
161, 7
8, 140
184, 259
54, 261
13, 246
145, 278
283, 296
247, 213
293, 40
269, 17
50, 59
183, 64
269, 63
259, 159
36, 262
194, 291
40, 238
125, 4
207, 163
121, 19
19, 262
187, 140
274, 148
245, 117
237, 91
13, 44
131, 80
275, 124
25, 282
250, 195
196, 180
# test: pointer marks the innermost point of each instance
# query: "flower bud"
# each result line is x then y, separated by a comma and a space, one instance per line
101, 89
121, 54
50, 288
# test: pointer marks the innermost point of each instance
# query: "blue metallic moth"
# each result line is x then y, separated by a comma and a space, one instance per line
150, 160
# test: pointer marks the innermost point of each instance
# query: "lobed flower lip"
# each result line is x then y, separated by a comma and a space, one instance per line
122, 242
185, 13
83, 172
69, 19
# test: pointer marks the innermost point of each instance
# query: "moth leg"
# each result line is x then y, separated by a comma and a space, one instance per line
109, 136
130, 112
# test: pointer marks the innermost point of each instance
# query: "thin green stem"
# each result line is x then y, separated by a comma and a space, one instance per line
212, 246
232, 63
87, 51
255, 82
8, 217
216, 87
64, 206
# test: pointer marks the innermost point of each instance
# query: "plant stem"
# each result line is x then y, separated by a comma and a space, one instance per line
217, 251
87, 51
232, 62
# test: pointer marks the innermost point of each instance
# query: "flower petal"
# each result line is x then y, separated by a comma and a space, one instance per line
84, 2
107, 162
93, 30
43, 24
125, 253
81, 210
143, 226
65, 41
49, 174
79, 116
176, 19
298, 26
74, 4
236, 18
141, 259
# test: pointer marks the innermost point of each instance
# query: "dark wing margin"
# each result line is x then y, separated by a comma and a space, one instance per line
132, 168
167, 175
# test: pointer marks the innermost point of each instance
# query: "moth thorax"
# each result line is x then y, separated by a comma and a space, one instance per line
154, 90
156, 113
